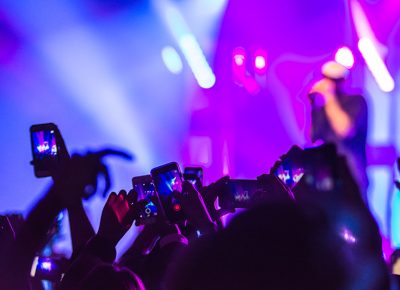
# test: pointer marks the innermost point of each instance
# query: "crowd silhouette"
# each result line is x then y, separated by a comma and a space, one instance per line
305, 226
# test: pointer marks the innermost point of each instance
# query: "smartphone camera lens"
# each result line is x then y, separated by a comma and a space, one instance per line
177, 207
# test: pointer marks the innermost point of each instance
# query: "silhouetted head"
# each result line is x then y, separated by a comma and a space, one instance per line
274, 246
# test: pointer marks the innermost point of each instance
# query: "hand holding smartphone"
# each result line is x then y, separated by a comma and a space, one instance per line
48, 148
239, 193
194, 171
148, 211
168, 179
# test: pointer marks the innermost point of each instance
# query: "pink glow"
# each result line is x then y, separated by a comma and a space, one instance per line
239, 59
260, 61
239, 56
239, 65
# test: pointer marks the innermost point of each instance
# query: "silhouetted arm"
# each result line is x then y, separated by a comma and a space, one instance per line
80, 226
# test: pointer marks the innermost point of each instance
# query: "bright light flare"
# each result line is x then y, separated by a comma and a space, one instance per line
345, 57
260, 61
376, 65
239, 59
239, 64
197, 61
172, 59
188, 44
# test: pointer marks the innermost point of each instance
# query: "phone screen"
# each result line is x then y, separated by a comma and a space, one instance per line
45, 145
240, 193
193, 179
319, 168
46, 268
197, 171
289, 175
167, 179
44, 149
144, 186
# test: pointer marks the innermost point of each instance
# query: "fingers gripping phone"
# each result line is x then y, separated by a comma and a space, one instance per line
167, 179
47, 148
148, 210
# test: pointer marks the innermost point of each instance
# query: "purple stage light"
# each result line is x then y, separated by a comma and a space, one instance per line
239, 65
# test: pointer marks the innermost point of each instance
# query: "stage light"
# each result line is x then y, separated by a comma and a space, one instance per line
376, 65
239, 65
260, 61
197, 61
239, 59
345, 57
172, 59
368, 46
188, 44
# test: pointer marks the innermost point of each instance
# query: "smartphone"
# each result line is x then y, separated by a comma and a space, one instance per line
148, 211
167, 179
319, 167
194, 171
193, 179
45, 148
49, 269
289, 174
240, 193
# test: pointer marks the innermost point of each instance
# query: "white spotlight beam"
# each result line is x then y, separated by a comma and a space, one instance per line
82, 68
376, 65
187, 43
371, 49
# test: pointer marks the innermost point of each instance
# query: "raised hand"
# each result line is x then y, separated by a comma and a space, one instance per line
194, 206
77, 177
210, 194
116, 218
